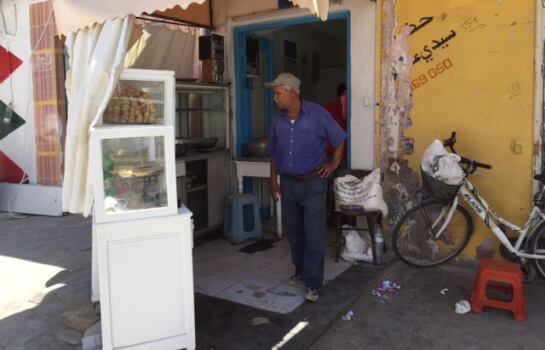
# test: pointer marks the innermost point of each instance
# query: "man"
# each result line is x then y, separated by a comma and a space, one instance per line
299, 135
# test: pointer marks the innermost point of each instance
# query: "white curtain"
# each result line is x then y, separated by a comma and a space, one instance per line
95, 62
318, 7
160, 47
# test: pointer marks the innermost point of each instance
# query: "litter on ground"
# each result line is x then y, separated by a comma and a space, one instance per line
462, 307
385, 289
348, 315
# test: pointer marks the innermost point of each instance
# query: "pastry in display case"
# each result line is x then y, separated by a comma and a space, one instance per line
142, 96
137, 175
131, 104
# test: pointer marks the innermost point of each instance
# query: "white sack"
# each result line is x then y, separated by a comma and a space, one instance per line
367, 192
356, 248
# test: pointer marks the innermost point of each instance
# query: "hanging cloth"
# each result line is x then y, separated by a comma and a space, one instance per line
95, 60
319, 7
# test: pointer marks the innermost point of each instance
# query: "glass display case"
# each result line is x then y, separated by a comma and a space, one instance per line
201, 118
142, 96
133, 172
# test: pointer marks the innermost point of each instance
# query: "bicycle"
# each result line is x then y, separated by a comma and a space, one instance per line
438, 228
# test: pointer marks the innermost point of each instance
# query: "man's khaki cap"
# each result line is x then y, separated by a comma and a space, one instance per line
285, 79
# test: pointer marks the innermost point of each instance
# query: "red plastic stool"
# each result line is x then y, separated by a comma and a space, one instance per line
504, 273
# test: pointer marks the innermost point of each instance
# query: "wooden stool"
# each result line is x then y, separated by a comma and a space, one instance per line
505, 273
351, 216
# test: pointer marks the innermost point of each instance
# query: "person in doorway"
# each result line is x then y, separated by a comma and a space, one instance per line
337, 110
297, 142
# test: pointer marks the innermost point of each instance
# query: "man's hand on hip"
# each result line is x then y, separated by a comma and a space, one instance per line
326, 169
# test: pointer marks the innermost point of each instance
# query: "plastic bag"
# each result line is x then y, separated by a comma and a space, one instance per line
356, 248
442, 165
448, 170
367, 192
434, 150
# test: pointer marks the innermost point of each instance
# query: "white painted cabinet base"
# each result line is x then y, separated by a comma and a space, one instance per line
145, 277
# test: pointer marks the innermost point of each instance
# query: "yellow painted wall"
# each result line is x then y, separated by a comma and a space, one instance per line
479, 81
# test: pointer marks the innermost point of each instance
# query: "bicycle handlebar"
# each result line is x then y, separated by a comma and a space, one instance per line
472, 164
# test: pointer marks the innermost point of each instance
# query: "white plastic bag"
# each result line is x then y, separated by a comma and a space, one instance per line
442, 165
447, 169
367, 192
356, 248
434, 150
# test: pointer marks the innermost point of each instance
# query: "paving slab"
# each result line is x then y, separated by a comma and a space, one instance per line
222, 324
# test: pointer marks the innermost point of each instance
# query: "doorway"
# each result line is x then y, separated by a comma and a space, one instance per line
317, 52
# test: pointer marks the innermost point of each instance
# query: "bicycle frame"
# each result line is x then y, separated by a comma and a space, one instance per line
485, 212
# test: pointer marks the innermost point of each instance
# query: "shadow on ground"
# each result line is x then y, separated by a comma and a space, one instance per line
225, 325
49, 262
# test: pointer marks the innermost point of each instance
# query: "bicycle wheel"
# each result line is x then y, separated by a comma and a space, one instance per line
413, 236
537, 246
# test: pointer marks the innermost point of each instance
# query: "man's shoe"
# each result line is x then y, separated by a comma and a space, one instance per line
311, 294
296, 281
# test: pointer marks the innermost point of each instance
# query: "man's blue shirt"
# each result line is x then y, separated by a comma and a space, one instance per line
299, 148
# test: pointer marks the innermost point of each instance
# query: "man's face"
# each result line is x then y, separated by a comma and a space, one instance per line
283, 97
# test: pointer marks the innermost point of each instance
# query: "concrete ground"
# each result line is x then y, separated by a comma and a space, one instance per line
420, 317
45, 267
46, 270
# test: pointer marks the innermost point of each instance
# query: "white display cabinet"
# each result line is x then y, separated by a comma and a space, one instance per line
146, 283
133, 170
142, 96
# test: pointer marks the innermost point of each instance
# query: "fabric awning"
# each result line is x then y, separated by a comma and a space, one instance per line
196, 15
73, 15
318, 7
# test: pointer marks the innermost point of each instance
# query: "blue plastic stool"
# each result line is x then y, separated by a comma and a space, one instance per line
242, 220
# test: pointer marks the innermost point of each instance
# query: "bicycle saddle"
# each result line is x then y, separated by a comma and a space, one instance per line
539, 177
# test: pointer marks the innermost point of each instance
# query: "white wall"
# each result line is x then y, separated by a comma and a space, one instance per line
362, 45
20, 144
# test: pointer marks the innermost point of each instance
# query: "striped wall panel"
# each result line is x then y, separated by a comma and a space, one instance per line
49, 94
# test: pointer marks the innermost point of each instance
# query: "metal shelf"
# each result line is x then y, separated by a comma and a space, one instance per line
198, 110
196, 188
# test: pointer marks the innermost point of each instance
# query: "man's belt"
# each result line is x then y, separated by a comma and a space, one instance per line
303, 177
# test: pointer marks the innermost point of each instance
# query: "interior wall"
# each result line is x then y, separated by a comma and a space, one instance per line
331, 53
19, 145
362, 57
259, 127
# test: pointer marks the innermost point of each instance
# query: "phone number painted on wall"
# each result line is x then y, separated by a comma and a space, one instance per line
431, 74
